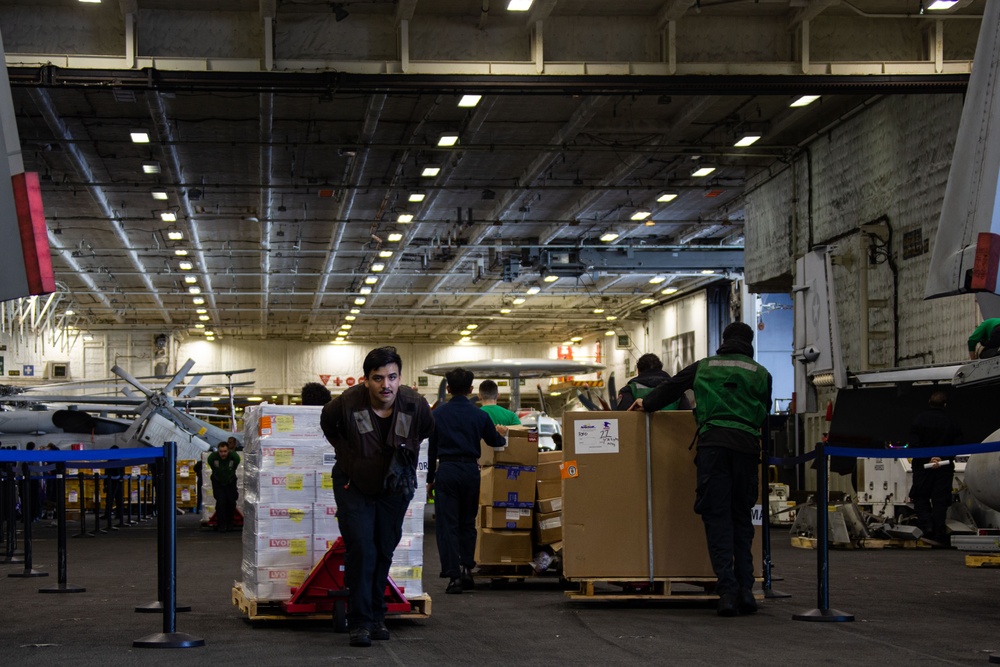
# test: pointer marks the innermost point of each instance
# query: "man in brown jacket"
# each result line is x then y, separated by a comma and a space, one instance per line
376, 429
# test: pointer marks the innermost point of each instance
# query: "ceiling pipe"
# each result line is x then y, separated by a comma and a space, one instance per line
60, 130
265, 204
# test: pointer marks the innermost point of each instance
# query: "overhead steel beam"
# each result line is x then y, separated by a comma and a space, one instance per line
622, 260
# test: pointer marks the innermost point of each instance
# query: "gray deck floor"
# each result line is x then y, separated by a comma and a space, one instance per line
912, 607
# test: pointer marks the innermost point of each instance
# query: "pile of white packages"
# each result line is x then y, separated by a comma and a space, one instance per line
289, 509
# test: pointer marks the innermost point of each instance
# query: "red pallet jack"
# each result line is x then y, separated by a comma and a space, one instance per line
324, 590
213, 522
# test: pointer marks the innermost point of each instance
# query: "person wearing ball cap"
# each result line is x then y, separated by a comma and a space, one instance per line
732, 395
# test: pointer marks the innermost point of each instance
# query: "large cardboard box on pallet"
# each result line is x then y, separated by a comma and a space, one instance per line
506, 518
604, 497
548, 466
521, 449
503, 546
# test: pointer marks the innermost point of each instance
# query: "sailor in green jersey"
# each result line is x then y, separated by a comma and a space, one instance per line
732, 395
488, 394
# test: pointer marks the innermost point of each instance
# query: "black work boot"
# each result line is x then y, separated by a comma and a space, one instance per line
746, 602
727, 605
379, 631
361, 637
454, 586
468, 583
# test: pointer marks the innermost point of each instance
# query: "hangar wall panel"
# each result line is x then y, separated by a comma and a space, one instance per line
166, 33
80, 30
888, 163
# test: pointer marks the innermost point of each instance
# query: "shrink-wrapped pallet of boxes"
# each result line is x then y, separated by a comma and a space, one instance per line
507, 490
290, 509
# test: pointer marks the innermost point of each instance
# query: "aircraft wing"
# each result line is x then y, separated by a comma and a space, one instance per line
522, 368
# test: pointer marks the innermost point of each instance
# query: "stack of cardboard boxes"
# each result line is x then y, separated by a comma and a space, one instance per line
290, 514
548, 505
506, 499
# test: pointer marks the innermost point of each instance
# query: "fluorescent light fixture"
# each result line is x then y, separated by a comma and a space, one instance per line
430, 171
190, 280
350, 318
465, 332
181, 252
186, 266
175, 235
611, 318
201, 311
647, 301
641, 214
608, 237
70, 311
448, 139
139, 136
198, 300
168, 216
209, 333
345, 326
519, 300
405, 217
355, 311
505, 311
668, 291
360, 301
747, 140
665, 197
364, 289
804, 100
702, 171
708, 272
471, 327
417, 196
159, 194
534, 289
255, 398
656, 280
377, 267
469, 101
395, 236
598, 311
150, 167
210, 339
194, 289
199, 325
92, 2
371, 280
518, 5
550, 278
385, 254
576, 339
609, 333
204, 318
938, 5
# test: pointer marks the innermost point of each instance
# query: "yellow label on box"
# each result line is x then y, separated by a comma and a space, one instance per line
184, 472
283, 457
293, 482
296, 577
326, 481
73, 497
185, 495
285, 423
297, 547
296, 515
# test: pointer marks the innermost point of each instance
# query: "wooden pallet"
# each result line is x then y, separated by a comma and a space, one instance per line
631, 589
271, 610
801, 542
982, 560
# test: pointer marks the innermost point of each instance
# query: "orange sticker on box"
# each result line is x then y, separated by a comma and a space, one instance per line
569, 469
265, 425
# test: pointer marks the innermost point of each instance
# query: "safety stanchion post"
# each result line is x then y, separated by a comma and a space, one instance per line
11, 507
159, 499
61, 586
765, 515
82, 499
97, 501
27, 509
169, 638
822, 611
128, 491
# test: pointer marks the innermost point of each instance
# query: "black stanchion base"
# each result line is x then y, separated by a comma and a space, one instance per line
83, 535
169, 640
823, 615
776, 595
13, 560
63, 588
27, 574
995, 659
157, 608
